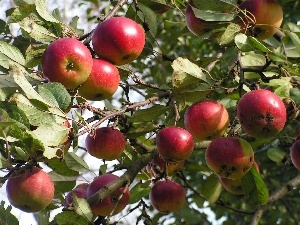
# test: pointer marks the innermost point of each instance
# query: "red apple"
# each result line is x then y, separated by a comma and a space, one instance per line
295, 154
67, 61
262, 18
206, 120
157, 165
234, 186
79, 191
102, 83
112, 204
229, 157
30, 190
105, 143
174, 144
262, 113
119, 40
167, 196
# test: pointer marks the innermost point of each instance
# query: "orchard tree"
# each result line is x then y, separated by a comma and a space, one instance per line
193, 104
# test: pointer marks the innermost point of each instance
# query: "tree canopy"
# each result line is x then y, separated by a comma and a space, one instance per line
175, 70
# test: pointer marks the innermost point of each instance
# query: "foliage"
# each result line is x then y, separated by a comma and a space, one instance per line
175, 70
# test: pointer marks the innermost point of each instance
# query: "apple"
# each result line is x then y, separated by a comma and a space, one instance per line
112, 204
79, 191
105, 143
261, 113
196, 25
174, 144
295, 154
67, 61
167, 196
234, 186
119, 40
102, 82
206, 120
229, 157
31, 190
157, 166
261, 18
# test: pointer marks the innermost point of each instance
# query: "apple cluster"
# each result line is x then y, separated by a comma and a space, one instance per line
258, 18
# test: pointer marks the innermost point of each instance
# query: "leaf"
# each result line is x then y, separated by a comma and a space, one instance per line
213, 16
211, 189
3, 164
295, 39
229, 34
82, 208
12, 53
215, 5
58, 177
139, 191
276, 155
34, 54
20, 13
70, 218
41, 8
6, 217
254, 187
76, 163
149, 114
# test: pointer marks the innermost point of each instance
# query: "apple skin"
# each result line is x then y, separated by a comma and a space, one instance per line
261, 113
206, 120
229, 157
167, 196
268, 17
234, 186
31, 191
119, 40
157, 165
196, 25
79, 191
108, 205
105, 143
67, 61
174, 144
295, 154
102, 82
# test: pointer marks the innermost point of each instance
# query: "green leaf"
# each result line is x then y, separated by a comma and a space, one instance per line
254, 187
20, 13
33, 55
229, 34
70, 218
12, 53
211, 188
277, 155
76, 163
213, 16
59, 178
215, 5
3, 164
41, 8
139, 191
149, 114
295, 39
6, 218
82, 208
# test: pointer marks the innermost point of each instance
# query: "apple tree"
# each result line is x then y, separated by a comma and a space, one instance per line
186, 104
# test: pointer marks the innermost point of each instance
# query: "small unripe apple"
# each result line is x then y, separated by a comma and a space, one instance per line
112, 204
261, 113
229, 157
79, 191
167, 196
157, 165
105, 143
67, 61
102, 82
174, 144
31, 190
295, 154
265, 15
119, 40
206, 120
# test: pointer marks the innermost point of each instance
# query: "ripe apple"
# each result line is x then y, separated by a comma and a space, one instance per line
31, 190
196, 25
174, 144
295, 154
229, 157
79, 191
105, 143
102, 82
234, 186
261, 18
119, 40
167, 196
157, 166
67, 61
206, 120
112, 204
262, 113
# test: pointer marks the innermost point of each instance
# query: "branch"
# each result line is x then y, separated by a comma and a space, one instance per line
279, 193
